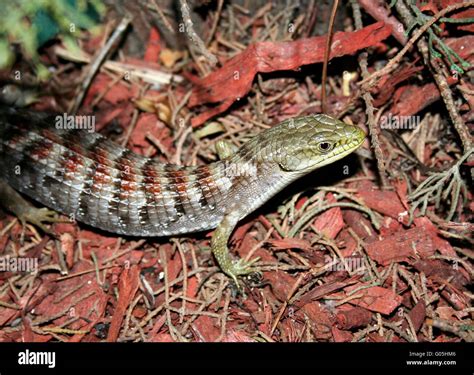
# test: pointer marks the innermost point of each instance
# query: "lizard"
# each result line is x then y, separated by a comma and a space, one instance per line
97, 182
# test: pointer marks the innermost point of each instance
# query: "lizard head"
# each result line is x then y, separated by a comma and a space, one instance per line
309, 142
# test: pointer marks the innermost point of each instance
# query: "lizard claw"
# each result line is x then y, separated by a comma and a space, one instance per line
39, 217
25, 211
242, 267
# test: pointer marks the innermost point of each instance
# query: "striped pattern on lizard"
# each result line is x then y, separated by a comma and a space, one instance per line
100, 183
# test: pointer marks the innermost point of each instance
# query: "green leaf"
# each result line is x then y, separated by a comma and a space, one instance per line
6, 55
46, 26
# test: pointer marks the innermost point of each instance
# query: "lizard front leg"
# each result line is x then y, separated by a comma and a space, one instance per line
225, 149
24, 210
221, 252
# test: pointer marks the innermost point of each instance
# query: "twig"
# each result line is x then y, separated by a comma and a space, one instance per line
179, 145
185, 279
216, 21
368, 82
412, 329
285, 303
303, 220
449, 53
455, 260
157, 143
373, 130
133, 121
398, 331
327, 51
433, 189
179, 107
95, 65
193, 36
440, 80
456, 329
223, 316
215, 298
146, 74
172, 330
162, 16
446, 94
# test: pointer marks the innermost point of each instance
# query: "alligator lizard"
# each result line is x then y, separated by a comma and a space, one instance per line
95, 181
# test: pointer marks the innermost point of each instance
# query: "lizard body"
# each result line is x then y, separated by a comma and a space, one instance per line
95, 181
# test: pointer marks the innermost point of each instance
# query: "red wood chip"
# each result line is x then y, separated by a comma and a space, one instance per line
417, 316
388, 84
67, 246
234, 80
340, 335
281, 283
292, 330
128, 286
411, 99
353, 317
320, 318
406, 245
107, 115
237, 336
148, 124
330, 222
152, 52
323, 290
434, 268
290, 243
384, 201
360, 225
375, 337
376, 299
175, 266
443, 246
205, 329
115, 95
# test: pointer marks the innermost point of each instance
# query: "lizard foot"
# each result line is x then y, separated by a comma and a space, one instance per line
240, 268
39, 217
13, 202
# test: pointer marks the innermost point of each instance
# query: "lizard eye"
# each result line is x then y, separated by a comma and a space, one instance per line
324, 147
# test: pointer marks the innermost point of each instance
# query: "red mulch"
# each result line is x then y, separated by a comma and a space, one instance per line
341, 277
